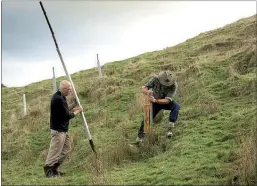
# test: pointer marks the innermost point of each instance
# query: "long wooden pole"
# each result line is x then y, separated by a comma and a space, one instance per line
86, 129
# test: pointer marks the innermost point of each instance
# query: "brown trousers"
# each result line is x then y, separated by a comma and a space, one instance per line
59, 148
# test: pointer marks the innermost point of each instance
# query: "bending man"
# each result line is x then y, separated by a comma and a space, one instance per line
164, 86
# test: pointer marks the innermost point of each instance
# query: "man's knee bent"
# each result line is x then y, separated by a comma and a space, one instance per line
174, 106
177, 106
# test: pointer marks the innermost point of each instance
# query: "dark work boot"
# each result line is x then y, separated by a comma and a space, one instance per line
49, 172
56, 171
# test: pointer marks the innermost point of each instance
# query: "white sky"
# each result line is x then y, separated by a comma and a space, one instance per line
115, 30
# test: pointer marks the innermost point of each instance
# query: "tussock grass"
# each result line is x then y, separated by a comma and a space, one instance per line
246, 162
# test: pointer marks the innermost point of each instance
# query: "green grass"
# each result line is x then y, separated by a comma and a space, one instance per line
214, 140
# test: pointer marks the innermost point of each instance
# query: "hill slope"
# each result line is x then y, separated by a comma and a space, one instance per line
214, 140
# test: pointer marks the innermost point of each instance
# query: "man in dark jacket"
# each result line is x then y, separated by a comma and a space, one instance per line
59, 124
160, 90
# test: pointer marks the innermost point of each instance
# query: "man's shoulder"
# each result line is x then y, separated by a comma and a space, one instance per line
152, 82
56, 97
153, 79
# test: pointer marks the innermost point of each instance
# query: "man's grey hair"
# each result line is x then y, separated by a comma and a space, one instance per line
63, 84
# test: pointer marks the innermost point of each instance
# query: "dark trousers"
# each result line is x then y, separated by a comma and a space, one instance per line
156, 108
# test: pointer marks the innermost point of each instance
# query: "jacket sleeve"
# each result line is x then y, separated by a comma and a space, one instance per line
172, 92
150, 83
63, 106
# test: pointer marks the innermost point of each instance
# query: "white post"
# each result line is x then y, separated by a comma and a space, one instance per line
99, 67
54, 82
24, 105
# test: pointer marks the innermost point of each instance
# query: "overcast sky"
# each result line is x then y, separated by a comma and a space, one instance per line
115, 30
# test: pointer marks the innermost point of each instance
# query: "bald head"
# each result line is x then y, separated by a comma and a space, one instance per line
65, 87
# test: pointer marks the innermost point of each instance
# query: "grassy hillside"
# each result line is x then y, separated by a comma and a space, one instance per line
214, 140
